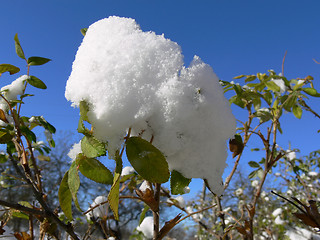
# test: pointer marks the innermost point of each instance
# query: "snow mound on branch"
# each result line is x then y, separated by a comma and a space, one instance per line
137, 79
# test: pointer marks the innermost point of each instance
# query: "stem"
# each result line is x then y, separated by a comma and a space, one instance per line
155, 212
202, 199
48, 213
221, 215
31, 226
246, 138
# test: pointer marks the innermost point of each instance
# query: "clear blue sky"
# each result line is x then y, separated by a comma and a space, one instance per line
235, 37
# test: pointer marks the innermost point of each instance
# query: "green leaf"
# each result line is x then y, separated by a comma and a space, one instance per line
19, 214
28, 134
113, 197
262, 76
297, 111
94, 169
143, 213
256, 103
250, 78
46, 125
92, 147
311, 91
288, 103
65, 197
74, 183
178, 183
83, 31
147, 160
253, 164
5, 137
18, 47
254, 173
255, 149
36, 82
36, 61
237, 89
272, 86
240, 76
3, 158
84, 109
81, 128
237, 101
8, 68
263, 115
268, 97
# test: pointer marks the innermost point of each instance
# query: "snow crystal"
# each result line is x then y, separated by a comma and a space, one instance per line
146, 227
127, 170
74, 151
137, 79
100, 211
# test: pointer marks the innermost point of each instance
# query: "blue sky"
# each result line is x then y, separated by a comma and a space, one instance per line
234, 37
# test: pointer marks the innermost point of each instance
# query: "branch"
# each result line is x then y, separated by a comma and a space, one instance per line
22, 208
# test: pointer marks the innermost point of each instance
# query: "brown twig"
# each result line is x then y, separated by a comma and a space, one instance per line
283, 60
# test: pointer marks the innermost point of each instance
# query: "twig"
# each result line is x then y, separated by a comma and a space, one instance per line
284, 58
22, 208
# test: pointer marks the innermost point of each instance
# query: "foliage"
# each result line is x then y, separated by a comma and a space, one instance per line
246, 210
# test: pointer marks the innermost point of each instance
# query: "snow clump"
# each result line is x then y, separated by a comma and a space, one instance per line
127, 171
11, 91
291, 155
179, 200
101, 210
146, 227
74, 151
135, 79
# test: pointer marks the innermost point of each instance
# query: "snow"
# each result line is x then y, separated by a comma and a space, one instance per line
10, 92
137, 79
291, 155
255, 183
239, 192
312, 174
144, 185
127, 171
197, 216
100, 211
146, 227
74, 151
179, 200
301, 234
8, 234
277, 212
280, 84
